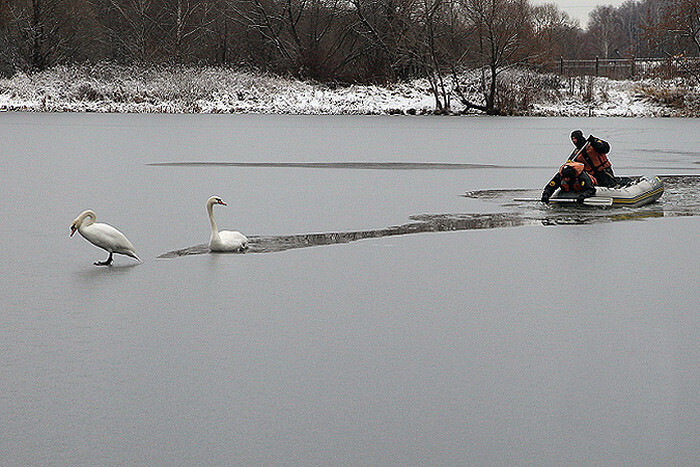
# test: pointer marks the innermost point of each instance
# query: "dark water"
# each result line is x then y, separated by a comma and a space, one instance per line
408, 312
681, 200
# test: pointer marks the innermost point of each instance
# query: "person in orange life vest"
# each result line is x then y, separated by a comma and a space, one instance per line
594, 158
571, 177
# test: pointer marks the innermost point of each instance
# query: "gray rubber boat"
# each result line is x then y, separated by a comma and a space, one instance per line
644, 190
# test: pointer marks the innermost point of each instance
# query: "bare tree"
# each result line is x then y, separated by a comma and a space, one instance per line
8, 50
133, 28
186, 25
46, 32
221, 30
555, 34
440, 45
631, 17
387, 28
682, 19
605, 31
502, 31
312, 38
675, 32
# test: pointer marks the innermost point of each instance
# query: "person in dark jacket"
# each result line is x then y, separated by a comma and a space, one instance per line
592, 153
571, 177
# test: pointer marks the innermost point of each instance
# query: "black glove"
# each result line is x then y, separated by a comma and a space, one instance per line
580, 199
545, 198
591, 139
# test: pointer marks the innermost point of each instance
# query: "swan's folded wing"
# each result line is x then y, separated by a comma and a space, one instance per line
232, 239
112, 237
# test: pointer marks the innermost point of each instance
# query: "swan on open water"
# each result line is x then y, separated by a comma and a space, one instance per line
102, 235
224, 240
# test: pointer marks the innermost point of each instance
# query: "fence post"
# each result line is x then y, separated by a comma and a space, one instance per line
561, 65
596, 66
632, 70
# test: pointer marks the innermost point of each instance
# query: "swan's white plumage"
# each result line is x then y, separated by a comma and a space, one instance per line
103, 236
224, 240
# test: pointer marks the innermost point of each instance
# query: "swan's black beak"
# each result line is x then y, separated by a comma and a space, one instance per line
72, 230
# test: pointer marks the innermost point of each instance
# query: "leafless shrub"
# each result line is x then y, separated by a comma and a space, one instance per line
671, 96
519, 89
86, 92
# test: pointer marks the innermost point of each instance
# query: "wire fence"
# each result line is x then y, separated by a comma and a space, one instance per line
630, 68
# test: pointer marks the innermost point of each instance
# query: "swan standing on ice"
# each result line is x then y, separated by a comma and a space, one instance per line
224, 240
102, 235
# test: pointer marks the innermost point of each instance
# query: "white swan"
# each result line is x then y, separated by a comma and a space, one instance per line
224, 240
102, 235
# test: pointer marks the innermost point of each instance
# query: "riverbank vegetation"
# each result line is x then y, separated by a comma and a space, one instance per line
109, 87
497, 57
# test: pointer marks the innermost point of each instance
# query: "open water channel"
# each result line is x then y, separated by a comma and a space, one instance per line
395, 308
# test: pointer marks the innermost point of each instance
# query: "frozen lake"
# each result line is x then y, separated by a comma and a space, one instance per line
495, 334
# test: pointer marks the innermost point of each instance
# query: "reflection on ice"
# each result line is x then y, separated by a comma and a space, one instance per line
580, 218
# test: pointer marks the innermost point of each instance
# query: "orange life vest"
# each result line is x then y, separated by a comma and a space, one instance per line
578, 183
578, 167
593, 160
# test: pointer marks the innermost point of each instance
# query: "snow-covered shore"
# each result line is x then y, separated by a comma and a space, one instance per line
107, 87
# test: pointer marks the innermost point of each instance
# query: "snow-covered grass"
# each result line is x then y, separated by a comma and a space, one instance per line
625, 98
106, 87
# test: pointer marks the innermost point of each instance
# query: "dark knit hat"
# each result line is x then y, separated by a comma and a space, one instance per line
577, 138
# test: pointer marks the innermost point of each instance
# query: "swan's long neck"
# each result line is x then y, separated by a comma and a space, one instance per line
214, 228
87, 218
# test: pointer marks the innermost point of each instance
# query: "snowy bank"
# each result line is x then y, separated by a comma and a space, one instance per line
107, 87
